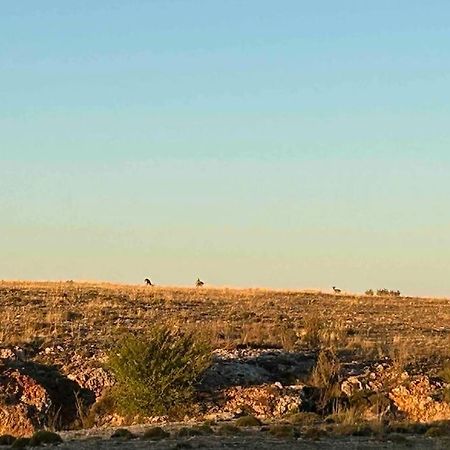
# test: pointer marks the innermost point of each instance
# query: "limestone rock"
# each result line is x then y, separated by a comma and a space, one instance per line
265, 401
417, 400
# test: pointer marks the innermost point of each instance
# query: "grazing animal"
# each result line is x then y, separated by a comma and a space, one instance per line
148, 282
336, 290
199, 283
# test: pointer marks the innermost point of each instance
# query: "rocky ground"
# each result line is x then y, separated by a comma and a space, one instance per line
389, 356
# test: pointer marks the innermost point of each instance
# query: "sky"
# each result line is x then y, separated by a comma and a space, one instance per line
252, 143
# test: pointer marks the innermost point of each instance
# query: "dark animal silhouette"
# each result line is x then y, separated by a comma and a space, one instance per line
199, 283
336, 290
148, 282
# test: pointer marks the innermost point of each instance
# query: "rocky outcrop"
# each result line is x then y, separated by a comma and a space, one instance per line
266, 401
251, 367
417, 400
382, 390
34, 396
89, 374
24, 403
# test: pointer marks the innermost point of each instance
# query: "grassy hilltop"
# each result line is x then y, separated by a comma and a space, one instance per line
91, 316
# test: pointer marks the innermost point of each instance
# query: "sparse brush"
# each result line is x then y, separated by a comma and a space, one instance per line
325, 378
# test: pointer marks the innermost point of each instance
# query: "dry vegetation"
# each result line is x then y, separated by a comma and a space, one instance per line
89, 317
67, 323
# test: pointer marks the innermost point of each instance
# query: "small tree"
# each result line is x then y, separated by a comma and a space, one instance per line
157, 373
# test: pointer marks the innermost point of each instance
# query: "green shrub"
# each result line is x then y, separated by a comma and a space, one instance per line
155, 434
156, 373
44, 437
303, 418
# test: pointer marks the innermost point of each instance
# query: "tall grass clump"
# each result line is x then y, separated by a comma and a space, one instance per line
156, 373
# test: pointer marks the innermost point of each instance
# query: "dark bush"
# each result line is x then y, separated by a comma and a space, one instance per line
6, 439
44, 437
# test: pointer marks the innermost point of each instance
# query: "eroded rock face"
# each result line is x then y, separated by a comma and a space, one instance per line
417, 400
24, 404
248, 367
266, 401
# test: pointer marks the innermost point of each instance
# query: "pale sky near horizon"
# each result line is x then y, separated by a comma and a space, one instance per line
285, 144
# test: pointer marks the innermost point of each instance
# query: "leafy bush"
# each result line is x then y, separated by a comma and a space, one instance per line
156, 373
369, 292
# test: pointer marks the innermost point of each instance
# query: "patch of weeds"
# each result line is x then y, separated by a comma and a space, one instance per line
325, 387
311, 334
21, 443
439, 429
156, 373
314, 433
6, 439
248, 421
398, 438
352, 430
123, 433
155, 434
104, 406
445, 375
182, 445
407, 428
189, 431
303, 418
45, 437
228, 428
70, 316
205, 429
283, 431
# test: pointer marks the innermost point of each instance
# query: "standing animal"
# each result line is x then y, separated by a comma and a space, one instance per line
199, 283
148, 282
336, 290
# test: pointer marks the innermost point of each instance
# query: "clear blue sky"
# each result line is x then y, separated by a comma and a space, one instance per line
291, 144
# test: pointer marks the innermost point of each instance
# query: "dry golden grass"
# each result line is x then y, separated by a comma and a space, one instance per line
89, 316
